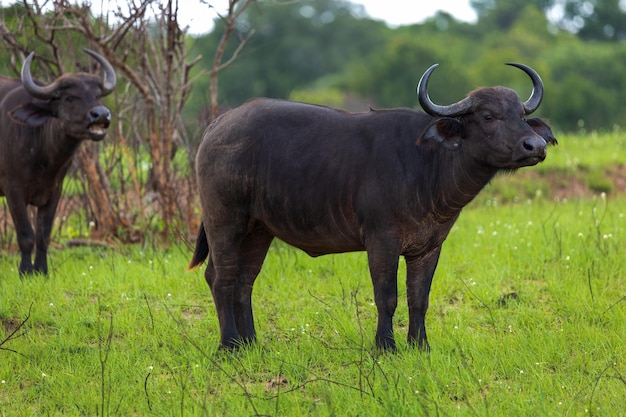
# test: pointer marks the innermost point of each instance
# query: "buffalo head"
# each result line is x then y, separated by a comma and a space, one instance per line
491, 123
72, 99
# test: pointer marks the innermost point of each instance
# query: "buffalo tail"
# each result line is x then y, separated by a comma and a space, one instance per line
201, 252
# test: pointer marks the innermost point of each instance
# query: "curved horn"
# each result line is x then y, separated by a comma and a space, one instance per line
536, 96
39, 91
109, 80
435, 109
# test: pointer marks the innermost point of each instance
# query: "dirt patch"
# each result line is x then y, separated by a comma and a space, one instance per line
12, 324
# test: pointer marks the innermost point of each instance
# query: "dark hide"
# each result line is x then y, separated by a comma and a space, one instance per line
389, 182
38, 138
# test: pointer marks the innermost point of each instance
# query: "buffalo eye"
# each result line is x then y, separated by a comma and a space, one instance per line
69, 99
488, 117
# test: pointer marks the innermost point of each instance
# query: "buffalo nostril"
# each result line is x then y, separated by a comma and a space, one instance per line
99, 114
534, 145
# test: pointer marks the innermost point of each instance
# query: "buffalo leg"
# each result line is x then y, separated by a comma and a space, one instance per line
221, 282
419, 276
45, 220
383, 264
253, 251
225, 240
23, 229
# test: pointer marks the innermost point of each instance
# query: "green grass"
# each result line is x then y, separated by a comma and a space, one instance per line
527, 317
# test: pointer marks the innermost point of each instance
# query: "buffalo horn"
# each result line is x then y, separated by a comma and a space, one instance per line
433, 109
109, 80
536, 96
48, 91
39, 91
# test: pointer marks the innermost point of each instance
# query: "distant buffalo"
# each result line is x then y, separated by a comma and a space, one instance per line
41, 128
390, 182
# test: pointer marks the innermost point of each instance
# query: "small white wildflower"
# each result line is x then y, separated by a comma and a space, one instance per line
43, 375
51, 305
150, 368
4, 382
521, 371
580, 234
169, 294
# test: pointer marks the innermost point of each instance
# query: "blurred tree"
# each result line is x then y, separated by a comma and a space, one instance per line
503, 13
595, 19
587, 84
294, 44
318, 48
589, 19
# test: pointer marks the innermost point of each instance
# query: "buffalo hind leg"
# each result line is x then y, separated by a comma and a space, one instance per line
222, 290
419, 276
253, 251
383, 264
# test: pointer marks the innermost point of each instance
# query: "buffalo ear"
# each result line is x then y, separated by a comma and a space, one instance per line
446, 132
30, 114
542, 129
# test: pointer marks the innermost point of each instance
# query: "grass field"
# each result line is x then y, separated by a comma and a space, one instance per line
527, 317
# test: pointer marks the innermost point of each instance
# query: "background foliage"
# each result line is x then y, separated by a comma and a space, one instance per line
322, 51
324, 46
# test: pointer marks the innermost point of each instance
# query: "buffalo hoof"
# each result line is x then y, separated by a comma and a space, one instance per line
386, 344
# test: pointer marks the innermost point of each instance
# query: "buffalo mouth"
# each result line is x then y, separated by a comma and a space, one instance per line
97, 131
530, 160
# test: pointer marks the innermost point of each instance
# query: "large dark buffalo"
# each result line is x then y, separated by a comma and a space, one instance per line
41, 127
390, 182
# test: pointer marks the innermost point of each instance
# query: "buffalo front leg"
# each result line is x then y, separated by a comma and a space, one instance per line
23, 229
383, 264
419, 276
45, 219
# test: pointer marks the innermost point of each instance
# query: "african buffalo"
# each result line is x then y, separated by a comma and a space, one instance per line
390, 182
41, 127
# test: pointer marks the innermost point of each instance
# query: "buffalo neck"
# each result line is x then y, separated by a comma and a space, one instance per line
459, 180
57, 147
